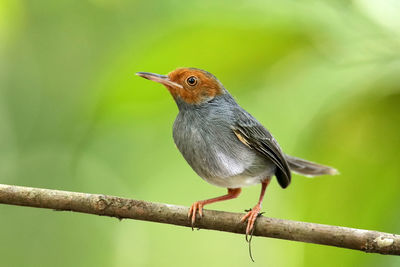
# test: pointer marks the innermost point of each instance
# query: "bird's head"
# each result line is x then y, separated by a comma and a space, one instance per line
193, 86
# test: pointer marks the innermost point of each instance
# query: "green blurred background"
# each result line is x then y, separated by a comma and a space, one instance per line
323, 76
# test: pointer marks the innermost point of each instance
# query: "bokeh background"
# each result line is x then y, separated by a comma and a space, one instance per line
323, 76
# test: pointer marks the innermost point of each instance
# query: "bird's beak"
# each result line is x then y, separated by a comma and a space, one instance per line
163, 79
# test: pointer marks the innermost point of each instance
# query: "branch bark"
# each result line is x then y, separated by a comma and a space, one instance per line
121, 208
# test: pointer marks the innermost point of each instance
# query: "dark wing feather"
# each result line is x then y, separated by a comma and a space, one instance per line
250, 132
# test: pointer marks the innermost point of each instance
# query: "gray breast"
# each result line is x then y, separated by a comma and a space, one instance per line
205, 138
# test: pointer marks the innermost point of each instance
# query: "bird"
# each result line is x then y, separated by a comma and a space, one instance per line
223, 143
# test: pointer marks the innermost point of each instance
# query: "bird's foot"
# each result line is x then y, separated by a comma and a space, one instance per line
251, 218
196, 207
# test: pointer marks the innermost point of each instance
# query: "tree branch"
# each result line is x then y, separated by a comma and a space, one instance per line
364, 240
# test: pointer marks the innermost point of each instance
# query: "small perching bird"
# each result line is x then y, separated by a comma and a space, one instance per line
223, 143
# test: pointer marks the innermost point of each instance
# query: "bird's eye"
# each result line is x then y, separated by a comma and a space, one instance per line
192, 81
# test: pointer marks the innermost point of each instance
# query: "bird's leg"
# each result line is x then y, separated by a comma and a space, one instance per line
198, 205
252, 215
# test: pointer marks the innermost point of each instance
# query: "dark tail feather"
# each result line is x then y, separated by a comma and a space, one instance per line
308, 168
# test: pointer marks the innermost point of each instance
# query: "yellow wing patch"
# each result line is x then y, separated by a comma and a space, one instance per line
241, 138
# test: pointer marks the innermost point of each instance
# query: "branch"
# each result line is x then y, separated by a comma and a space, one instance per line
121, 208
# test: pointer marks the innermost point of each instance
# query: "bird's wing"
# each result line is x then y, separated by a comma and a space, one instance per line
251, 133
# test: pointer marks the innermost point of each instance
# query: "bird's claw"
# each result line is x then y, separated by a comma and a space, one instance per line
196, 207
251, 218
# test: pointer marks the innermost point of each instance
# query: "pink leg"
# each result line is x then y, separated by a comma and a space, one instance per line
198, 205
251, 216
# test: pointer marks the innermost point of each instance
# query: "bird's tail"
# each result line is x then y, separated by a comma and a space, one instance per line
308, 168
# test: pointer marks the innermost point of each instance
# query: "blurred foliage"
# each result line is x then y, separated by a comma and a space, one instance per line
323, 76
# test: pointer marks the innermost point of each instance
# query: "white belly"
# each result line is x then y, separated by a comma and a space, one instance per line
241, 180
